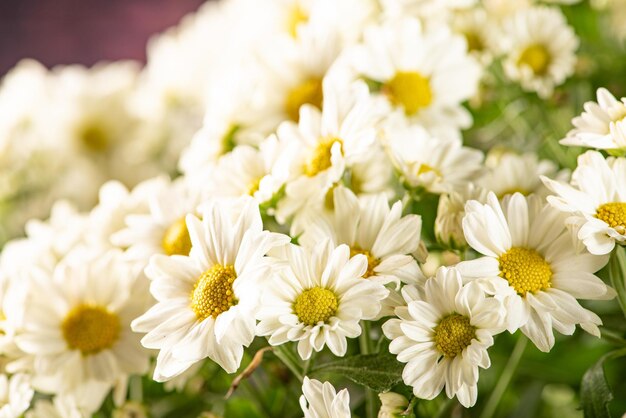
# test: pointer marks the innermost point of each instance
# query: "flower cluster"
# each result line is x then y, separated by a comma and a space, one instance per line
312, 209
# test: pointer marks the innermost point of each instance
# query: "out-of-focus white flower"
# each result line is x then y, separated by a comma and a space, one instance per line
444, 336
481, 34
425, 74
317, 297
16, 394
437, 165
450, 214
531, 263
58, 407
540, 49
320, 400
207, 301
509, 173
431, 12
596, 200
602, 125
76, 327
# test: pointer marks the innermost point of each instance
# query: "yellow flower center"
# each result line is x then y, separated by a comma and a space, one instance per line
253, 187
297, 16
372, 262
525, 270
176, 239
94, 137
213, 292
321, 158
228, 141
315, 305
474, 42
513, 191
614, 214
410, 90
425, 168
90, 329
453, 334
307, 92
537, 57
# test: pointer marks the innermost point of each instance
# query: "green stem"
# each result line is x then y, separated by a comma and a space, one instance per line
135, 389
505, 377
444, 409
617, 270
367, 347
289, 359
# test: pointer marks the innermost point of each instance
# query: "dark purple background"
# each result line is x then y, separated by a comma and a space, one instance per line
83, 31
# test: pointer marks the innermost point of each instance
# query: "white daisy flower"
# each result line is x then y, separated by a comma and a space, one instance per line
531, 263
162, 230
596, 200
207, 300
444, 336
439, 166
602, 125
76, 326
424, 74
247, 171
370, 227
510, 173
540, 48
480, 33
16, 394
321, 400
317, 150
450, 214
317, 298
58, 407
393, 405
429, 11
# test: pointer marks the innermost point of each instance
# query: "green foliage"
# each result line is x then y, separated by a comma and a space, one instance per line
595, 391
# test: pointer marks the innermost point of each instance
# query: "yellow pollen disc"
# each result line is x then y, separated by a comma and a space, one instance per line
315, 305
537, 57
296, 17
213, 292
307, 92
410, 90
320, 160
525, 270
474, 42
614, 214
176, 239
453, 334
90, 329
254, 187
372, 262
94, 137
425, 168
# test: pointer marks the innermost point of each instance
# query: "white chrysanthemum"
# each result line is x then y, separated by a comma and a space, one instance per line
321, 400
444, 336
596, 200
393, 405
246, 171
369, 227
58, 407
509, 173
602, 125
531, 263
424, 74
162, 230
76, 325
430, 11
317, 298
116, 202
480, 33
318, 149
16, 394
450, 213
207, 300
437, 165
540, 48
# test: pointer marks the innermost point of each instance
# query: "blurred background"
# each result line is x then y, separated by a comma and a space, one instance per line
83, 31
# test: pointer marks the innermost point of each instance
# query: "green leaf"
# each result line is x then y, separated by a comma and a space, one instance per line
595, 392
379, 372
